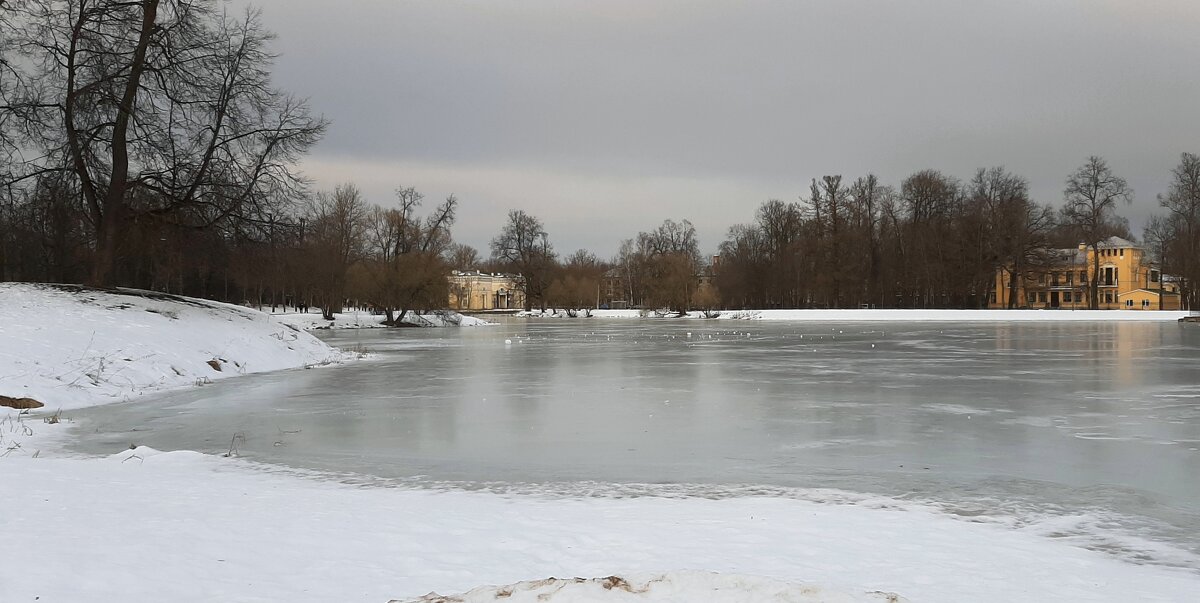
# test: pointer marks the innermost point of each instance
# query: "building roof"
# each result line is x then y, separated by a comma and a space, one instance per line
1116, 243
1079, 257
1069, 256
480, 274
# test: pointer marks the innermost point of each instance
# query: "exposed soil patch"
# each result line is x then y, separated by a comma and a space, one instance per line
20, 403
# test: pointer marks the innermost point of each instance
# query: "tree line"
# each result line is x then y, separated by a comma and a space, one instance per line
143, 144
934, 241
938, 242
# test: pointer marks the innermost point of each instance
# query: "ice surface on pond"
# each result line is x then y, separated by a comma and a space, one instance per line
1084, 431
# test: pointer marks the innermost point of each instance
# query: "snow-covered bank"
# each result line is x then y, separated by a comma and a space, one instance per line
357, 319
895, 315
185, 527
69, 347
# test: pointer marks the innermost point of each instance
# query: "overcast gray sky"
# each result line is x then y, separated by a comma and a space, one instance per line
604, 118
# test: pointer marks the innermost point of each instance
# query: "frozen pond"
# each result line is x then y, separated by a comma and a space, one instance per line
1095, 424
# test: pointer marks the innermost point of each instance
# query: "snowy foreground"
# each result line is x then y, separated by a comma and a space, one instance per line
182, 527
148, 526
891, 315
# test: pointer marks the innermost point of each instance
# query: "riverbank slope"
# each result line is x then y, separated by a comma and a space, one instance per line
68, 347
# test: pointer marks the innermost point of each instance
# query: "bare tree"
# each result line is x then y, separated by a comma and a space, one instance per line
576, 287
1160, 236
630, 262
1015, 230
1182, 202
739, 281
671, 237
524, 247
405, 255
829, 204
1090, 201
667, 260
336, 225
461, 256
673, 282
158, 108
585, 260
780, 230
708, 299
866, 201
928, 202
11, 89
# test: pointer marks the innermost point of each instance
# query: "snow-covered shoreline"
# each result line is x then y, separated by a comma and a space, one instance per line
361, 319
70, 347
879, 315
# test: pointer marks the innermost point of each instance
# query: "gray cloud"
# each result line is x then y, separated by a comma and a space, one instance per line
604, 118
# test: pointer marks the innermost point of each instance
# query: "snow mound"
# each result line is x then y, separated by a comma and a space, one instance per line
69, 346
183, 458
673, 587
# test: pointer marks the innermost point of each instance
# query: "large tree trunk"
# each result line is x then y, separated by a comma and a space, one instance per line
873, 276
1012, 287
1094, 286
108, 233
109, 228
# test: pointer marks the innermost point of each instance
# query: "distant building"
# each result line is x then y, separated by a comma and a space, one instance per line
614, 290
708, 273
477, 291
1128, 281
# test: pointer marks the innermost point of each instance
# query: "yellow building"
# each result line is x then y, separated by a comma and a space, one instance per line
1128, 281
477, 291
